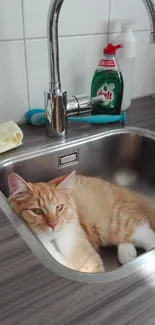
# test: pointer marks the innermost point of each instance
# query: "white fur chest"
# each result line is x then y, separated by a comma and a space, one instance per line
66, 238
46, 236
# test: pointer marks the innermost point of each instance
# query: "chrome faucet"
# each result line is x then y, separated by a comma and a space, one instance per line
58, 107
150, 6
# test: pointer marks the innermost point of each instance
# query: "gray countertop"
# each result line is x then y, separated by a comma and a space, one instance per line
32, 295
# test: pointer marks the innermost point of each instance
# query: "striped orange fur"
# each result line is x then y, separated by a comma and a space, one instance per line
105, 214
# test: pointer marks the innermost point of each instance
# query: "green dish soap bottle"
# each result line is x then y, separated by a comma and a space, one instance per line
108, 81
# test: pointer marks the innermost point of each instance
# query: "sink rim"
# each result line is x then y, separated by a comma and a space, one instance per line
36, 246
32, 152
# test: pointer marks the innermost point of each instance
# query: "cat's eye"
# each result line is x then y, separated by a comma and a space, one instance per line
59, 208
38, 212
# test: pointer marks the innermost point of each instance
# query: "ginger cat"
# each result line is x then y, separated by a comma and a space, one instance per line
81, 213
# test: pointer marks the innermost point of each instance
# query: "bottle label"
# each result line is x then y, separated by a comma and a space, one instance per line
107, 63
107, 90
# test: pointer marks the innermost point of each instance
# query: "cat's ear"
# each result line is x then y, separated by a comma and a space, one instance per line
68, 183
17, 185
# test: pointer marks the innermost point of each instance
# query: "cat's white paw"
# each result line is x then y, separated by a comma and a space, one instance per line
126, 253
144, 237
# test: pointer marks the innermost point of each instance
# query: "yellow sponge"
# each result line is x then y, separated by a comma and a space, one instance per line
10, 136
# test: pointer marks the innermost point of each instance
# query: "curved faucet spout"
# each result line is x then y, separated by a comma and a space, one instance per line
58, 107
150, 6
53, 44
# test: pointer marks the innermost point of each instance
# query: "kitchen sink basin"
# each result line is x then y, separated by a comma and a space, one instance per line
123, 156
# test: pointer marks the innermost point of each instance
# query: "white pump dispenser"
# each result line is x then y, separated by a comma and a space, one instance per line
126, 59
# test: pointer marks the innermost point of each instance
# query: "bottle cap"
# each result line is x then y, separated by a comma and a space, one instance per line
111, 49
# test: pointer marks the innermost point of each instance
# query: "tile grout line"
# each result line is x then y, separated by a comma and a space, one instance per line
25, 53
65, 36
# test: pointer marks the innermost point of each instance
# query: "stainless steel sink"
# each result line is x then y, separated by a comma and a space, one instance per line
124, 156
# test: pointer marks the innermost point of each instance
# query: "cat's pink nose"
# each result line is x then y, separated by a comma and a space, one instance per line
52, 225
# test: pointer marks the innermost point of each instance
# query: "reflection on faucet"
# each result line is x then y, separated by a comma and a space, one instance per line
58, 107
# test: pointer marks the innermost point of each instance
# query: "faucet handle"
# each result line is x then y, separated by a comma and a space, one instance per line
97, 100
82, 104
86, 103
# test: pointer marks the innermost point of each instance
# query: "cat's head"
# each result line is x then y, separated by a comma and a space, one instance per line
43, 205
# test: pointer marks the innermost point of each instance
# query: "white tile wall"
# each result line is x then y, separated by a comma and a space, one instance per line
37, 61
13, 88
10, 20
128, 9
83, 31
76, 17
75, 60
